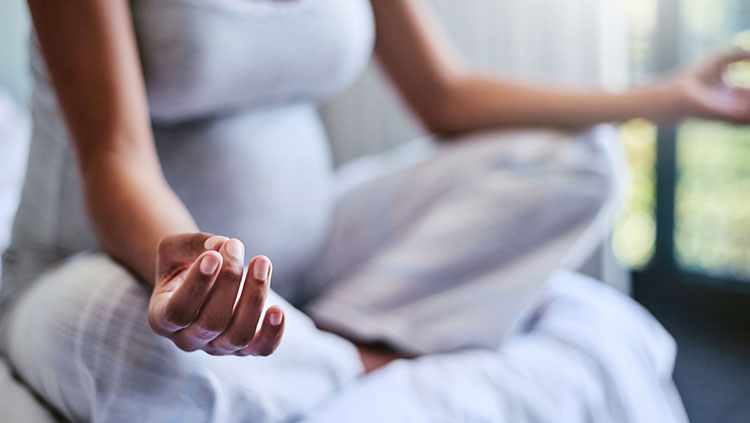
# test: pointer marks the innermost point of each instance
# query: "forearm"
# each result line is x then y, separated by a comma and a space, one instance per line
477, 102
103, 99
132, 209
450, 99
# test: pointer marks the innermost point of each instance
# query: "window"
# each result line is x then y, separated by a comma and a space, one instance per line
634, 237
689, 202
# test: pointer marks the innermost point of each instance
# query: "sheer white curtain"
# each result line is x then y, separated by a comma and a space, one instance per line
576, 42
14, 35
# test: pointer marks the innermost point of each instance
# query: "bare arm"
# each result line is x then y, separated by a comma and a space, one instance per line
90, 51
91, 54
449, 98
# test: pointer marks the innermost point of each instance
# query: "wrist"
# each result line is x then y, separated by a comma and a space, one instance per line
662, 102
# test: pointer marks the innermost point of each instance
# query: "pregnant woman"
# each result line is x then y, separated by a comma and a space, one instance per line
176, 143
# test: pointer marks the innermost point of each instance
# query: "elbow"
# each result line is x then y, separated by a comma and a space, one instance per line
452, 119
460, 106
442, 120
442, 111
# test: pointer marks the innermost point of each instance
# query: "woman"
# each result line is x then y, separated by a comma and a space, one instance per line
190, 125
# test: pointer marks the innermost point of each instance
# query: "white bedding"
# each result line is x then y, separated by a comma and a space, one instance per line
17, 404
590, 354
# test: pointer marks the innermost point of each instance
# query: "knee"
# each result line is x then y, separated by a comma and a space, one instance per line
584, 170
75, 299
85, 298
80, 337
588, 166
68, 335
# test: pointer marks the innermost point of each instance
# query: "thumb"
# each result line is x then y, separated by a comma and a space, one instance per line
720, 62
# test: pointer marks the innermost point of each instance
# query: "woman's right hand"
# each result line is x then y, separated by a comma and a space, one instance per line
197, 303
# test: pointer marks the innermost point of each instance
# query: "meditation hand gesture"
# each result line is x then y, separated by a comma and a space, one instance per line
703, 90
200, 301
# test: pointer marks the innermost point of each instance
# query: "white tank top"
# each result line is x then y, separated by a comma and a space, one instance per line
232, 88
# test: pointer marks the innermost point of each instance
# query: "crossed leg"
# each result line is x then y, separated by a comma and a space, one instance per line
450, 252
80, 338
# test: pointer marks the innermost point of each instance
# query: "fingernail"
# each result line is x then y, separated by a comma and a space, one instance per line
212, 242
209, 264
275, 318
261, 269
235, 248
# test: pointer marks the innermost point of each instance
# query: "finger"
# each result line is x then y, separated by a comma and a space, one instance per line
742, 108
215, 242
244, 322
211, 350
269, 336
175, 250
172, 310
186, 301
723, 60
216, 312
732, 104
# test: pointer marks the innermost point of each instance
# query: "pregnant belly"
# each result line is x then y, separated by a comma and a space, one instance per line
262, 177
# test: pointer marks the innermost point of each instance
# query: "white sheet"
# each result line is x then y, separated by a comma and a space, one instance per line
14, 144
17, 404
590, 354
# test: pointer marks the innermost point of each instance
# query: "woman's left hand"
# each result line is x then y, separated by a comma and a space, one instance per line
703, 91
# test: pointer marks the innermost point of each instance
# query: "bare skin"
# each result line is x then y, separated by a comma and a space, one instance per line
201, 299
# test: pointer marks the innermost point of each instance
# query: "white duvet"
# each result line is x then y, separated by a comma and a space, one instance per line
590, 354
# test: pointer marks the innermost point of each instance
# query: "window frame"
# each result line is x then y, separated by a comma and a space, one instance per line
663, 262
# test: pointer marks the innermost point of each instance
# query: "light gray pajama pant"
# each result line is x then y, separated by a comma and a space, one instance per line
441, 250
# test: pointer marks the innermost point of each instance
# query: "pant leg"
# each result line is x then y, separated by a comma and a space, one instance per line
79, 337
424, 256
